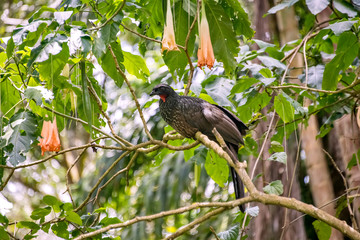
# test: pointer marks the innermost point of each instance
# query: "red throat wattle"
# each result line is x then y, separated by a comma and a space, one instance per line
163, 97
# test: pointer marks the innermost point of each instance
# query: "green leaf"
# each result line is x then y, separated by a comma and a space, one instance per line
51, 200
33, 94
79, 41
38, 13
50, 69
341, 27
251, 102
3, 234
230, 234
282, 5
108, 65
276, 147
253, 211
49, 46
223, 37
30, 33
346, 52
20, 134
275, 187
279, 157
240, 20
86, 95
107, 221
38, 93
29, 225
282, 107
217, 168
316, 6
61, 17
4, 220
271, 62
60, 229
40, 213
345, 7
199, 156
197, 174
323, 230
219, 88
10, 48
243, 84
315, 76
354, 160
73, 217
136, 65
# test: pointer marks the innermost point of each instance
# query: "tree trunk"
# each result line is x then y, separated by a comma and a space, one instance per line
349, 143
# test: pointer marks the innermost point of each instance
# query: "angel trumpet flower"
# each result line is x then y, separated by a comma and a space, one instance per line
50, 140
168, 41
205, 52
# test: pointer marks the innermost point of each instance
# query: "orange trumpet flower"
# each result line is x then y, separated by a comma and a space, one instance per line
205, 52
50, 140
168, 41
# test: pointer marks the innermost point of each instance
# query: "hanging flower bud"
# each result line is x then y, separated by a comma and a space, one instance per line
205, 52
50, 140
168, 41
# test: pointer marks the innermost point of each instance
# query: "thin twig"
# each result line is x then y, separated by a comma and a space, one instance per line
87, 199
213, 231
127, 168
132, 93
109, 19
192, 224
99, 103
352, 217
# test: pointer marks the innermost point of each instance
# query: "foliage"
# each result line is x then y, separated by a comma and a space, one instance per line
94, 71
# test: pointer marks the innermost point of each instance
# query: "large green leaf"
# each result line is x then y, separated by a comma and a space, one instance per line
108, 65
223, 37
79, 42
283, 107
340, 27
316, 6
217, 168
346, 52
323, 230
230, 234
219, 89
241, 21
136, 65
50, 46
50, 69
275, 187
21, 133
345, 7
88, 109
282, 5
30, 33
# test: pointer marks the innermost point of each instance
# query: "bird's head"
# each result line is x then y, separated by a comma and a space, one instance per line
163, 90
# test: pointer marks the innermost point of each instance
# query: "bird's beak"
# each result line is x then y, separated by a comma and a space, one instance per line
152, 93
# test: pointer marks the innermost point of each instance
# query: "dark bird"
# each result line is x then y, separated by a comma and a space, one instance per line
188, 115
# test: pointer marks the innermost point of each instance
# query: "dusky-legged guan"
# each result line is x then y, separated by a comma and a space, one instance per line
188, 115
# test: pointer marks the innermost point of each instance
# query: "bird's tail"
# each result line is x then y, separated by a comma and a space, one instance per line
238, 184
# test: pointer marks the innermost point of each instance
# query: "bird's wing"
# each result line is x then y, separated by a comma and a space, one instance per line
240, 125
205, 116
223, 124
